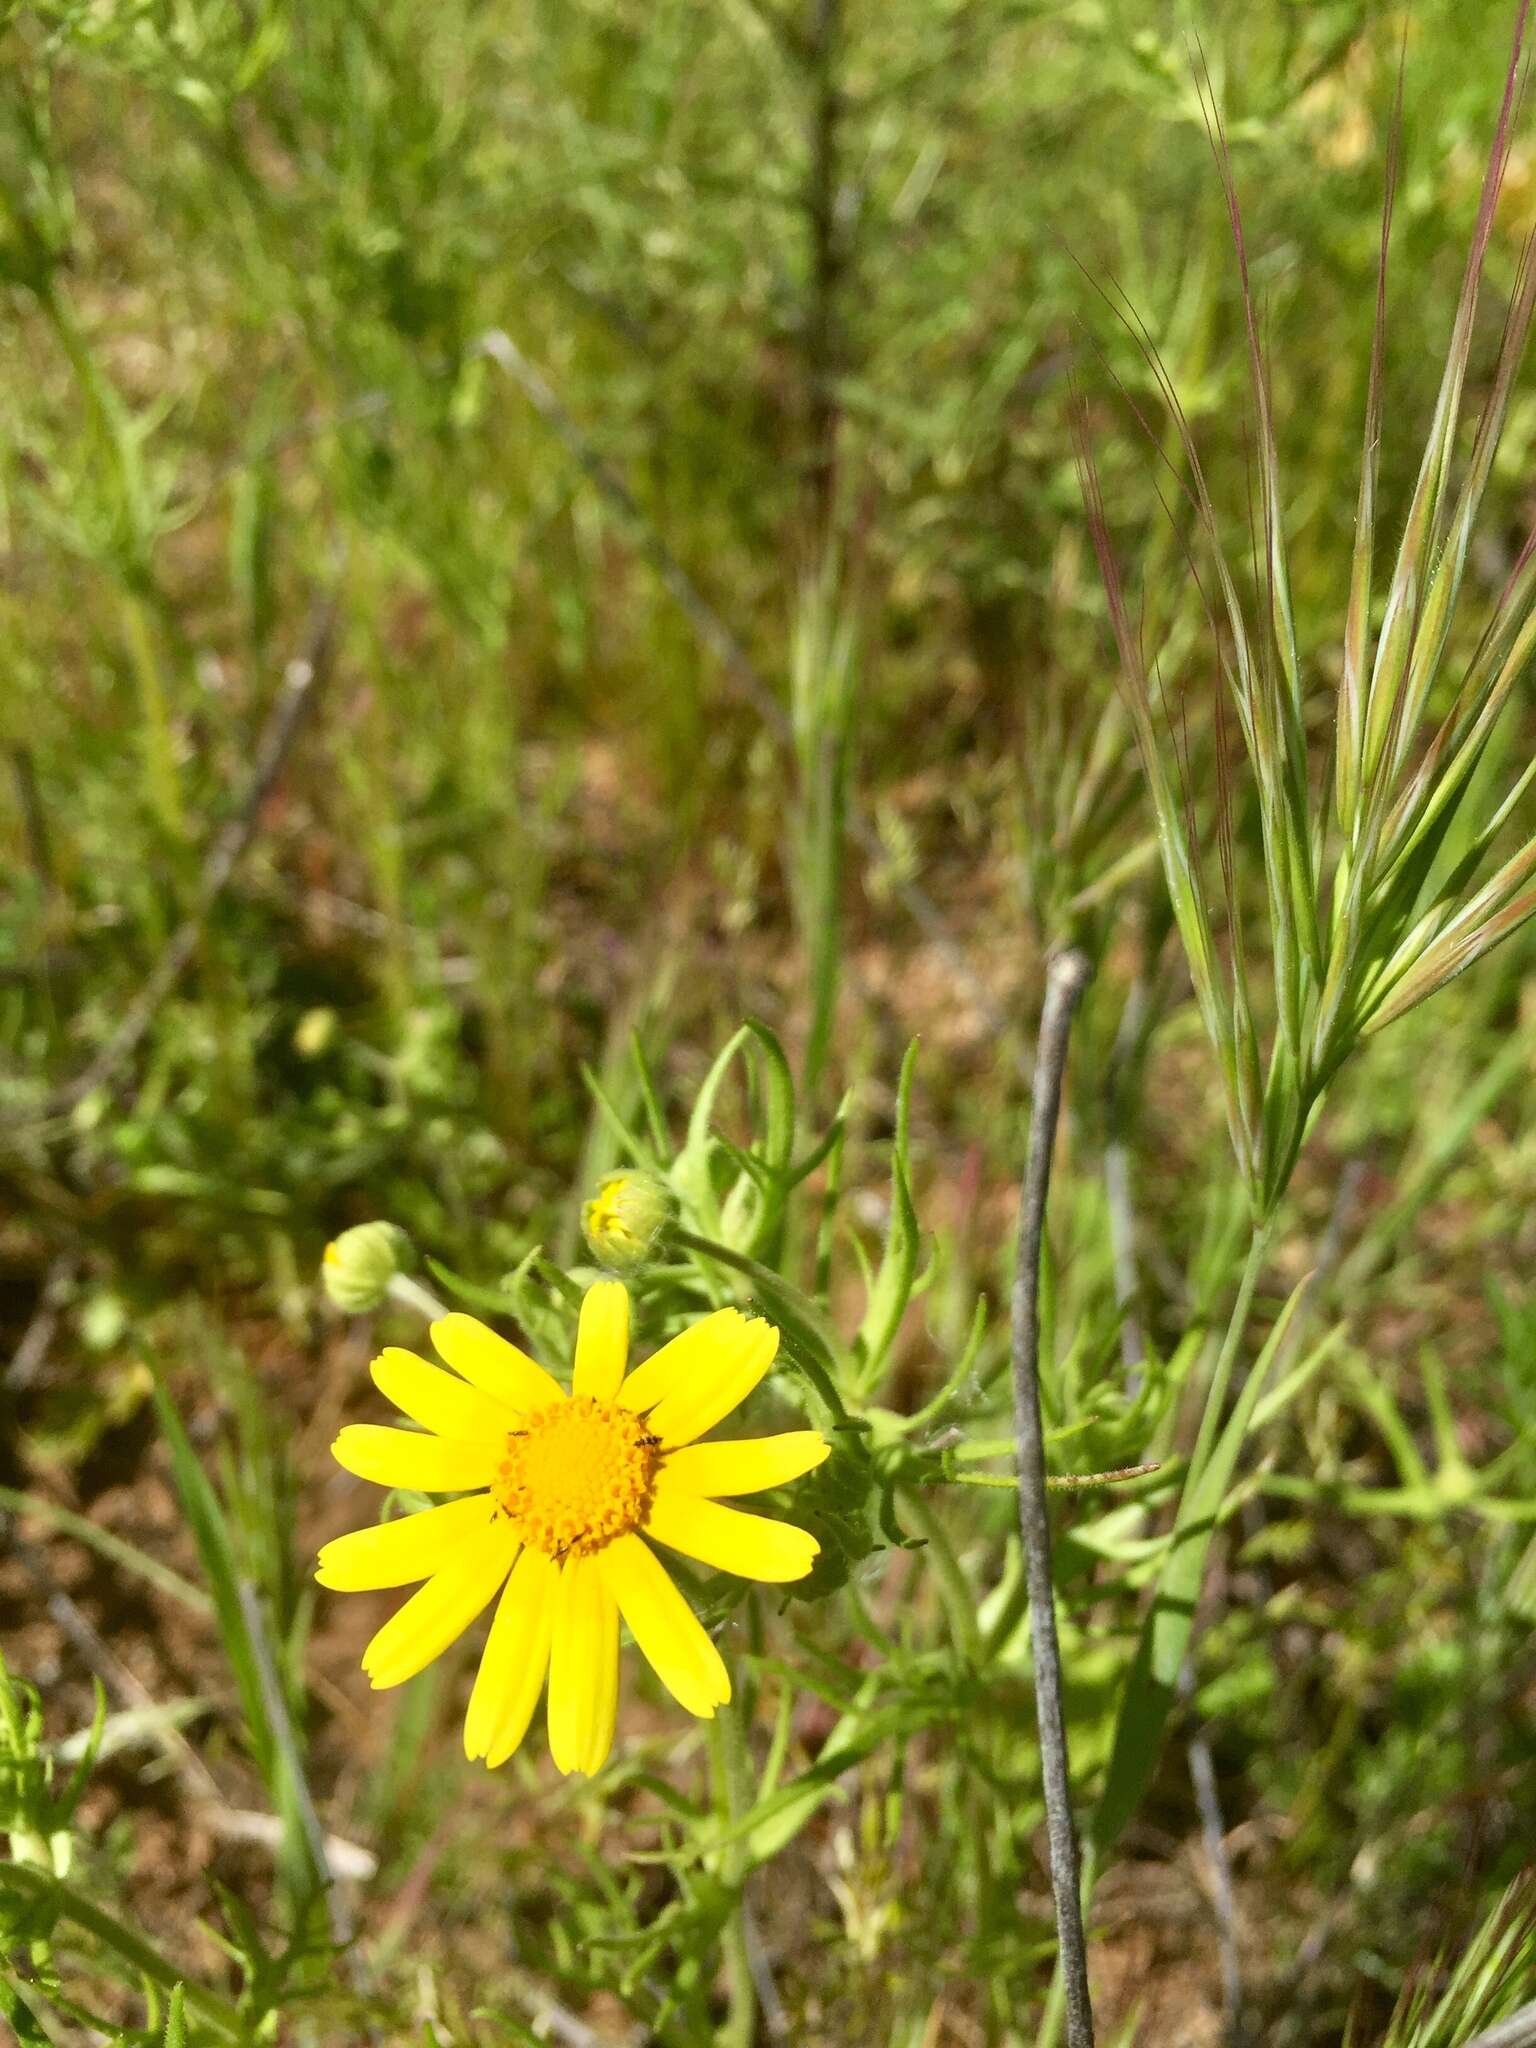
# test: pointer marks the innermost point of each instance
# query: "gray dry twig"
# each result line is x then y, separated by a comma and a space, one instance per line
1065, 982
1213, 1833
1518, 2031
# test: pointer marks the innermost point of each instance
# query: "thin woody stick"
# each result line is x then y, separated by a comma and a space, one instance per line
1067, 978
1518, 2031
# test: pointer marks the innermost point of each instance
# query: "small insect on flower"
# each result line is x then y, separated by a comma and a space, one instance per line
567, 1488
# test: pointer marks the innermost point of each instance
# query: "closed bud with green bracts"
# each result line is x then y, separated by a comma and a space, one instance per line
626, 1220
359, 1265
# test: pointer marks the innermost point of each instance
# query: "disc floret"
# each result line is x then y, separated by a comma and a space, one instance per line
577, 1474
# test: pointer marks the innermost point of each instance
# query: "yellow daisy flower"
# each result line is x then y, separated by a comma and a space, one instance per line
567, 1489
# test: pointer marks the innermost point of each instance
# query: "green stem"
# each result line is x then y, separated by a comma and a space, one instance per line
1148, 1699
40, 1888
1226, 1359
954, 1588
160, 766
161, 769
816, 1347
1012, 1611
732, 1798
409, 1293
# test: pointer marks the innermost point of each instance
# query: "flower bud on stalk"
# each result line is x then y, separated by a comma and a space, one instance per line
626, 1220
358, 1266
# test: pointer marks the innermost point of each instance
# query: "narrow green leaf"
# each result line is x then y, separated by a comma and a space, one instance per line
655, 1116
176, 2018
210, 1531
628, 1140
37, 1887
692, 1174
893, 1283
778, 1097
114, 1548
1151, 1687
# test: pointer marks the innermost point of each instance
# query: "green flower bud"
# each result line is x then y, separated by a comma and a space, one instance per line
359, 1265
627, 1218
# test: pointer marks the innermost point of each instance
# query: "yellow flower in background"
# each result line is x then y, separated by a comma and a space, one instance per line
568, 1487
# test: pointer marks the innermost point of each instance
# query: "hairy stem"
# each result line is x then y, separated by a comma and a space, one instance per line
409, 1293
728, 1760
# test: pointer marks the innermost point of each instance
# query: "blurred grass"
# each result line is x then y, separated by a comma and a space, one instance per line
249, 253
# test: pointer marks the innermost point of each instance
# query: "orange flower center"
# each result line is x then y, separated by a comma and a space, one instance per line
577, 1474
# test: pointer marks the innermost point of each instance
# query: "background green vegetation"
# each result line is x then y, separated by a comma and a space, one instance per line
653, 422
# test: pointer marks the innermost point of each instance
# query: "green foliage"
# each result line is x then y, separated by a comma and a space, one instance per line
679, 404
1492, 1976
1371, 874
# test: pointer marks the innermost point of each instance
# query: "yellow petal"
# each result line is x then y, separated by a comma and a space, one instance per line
665, 1626
399, 1553
429, 1464
714, 1470
437, 1400
751, 1546
442, 1609
493, 1365
511, 1674
689, 1384
583, 1668
678, 1363
602, 1340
